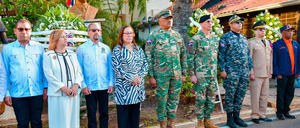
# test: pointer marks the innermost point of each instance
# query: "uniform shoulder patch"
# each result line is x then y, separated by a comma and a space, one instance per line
149, 41
190, 44
222, 44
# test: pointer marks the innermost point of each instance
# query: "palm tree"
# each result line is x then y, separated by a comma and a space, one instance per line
182, 10
109, 10
141, 6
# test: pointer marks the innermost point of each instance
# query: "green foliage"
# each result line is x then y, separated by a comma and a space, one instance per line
59, 17
19, 9
112, 23
9, 23
141, 43
216, 28
187, 88
141, 7
271, 21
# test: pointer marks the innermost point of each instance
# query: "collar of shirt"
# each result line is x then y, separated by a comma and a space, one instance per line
20, 45
287, 41
211, 35
162, 30
235, 33
91, 43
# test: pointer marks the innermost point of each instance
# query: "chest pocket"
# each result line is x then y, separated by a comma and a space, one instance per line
16, 58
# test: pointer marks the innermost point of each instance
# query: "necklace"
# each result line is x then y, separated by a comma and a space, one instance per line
130, 47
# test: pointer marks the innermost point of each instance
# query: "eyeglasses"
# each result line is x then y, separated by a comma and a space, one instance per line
94, 30
239, 22
128, 33
22, 29
261, 29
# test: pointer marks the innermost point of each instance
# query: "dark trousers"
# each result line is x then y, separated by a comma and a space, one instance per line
285, 94
128, 116
100, 98
28, 109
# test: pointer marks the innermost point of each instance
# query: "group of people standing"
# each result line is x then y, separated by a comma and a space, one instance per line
239, 61
29, 75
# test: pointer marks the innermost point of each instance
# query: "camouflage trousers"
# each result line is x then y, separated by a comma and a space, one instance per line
167, 96
236, 88
205, 96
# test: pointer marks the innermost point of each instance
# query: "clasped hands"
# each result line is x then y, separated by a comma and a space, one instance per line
136, 81
70, 91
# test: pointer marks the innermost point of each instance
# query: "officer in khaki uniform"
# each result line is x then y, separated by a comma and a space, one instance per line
261, 54
166, 55
202, 63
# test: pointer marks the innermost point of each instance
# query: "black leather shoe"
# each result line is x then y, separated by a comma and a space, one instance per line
280, 117
230, 121
289, 116
255, 121
266, 119
238, 120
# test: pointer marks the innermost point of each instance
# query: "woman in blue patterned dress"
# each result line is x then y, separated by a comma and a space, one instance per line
130, 67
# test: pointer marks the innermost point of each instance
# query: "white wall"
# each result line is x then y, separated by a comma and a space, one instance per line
155, 6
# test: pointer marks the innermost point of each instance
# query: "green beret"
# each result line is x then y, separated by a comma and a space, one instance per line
204, 18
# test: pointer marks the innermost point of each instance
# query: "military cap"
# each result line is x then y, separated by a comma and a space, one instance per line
204, 18
259, 24
165, 13
235, 18
286, 27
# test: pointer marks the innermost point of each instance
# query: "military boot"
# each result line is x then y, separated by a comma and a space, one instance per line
209, 124
238, 120
230, 120
163, 124
171, 123
200, 124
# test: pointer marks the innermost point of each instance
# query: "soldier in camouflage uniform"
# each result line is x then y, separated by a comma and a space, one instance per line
202, 63
235, 64
166, 55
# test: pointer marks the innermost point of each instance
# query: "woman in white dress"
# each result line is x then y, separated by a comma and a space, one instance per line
64, 78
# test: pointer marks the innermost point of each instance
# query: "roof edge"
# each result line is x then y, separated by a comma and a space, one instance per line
264, 7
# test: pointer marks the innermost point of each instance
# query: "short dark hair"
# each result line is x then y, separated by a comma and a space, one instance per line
23, 21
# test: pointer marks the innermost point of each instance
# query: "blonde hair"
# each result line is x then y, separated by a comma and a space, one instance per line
54, 37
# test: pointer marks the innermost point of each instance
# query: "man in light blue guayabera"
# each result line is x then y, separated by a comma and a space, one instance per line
25, 77
95, 60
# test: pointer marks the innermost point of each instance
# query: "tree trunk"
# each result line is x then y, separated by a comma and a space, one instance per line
182, 10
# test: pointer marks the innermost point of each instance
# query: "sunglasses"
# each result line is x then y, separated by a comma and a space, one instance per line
94, 30
261, 29
24, 29
239, 22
